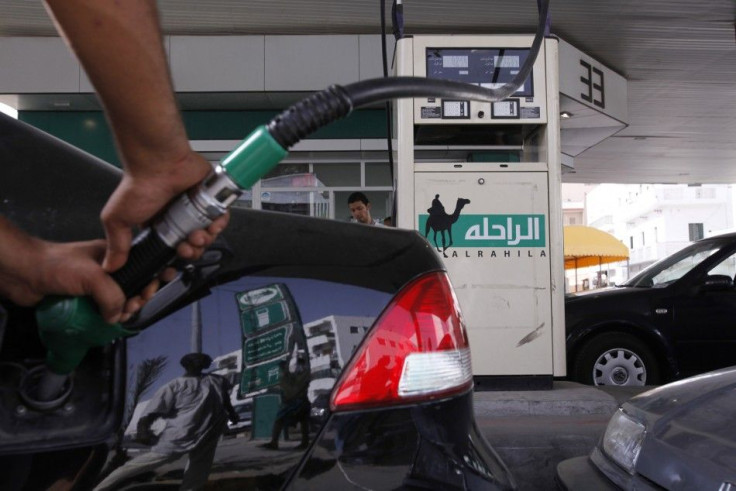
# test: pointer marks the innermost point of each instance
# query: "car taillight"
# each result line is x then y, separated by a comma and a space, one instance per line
417, 350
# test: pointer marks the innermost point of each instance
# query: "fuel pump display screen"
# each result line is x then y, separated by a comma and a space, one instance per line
487, 67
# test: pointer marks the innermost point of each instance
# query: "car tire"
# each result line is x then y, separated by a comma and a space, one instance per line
616, 358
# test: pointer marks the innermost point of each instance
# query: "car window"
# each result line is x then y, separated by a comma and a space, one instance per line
727, 267
674, 267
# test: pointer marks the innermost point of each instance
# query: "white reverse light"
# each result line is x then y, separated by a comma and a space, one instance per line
433, 372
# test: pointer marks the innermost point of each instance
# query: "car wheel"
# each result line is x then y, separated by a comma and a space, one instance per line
616, 359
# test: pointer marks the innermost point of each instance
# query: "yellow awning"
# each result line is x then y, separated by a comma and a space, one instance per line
588, 246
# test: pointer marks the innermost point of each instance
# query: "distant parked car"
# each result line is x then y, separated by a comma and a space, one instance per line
319, 411
245, 413
675, 319
678, 436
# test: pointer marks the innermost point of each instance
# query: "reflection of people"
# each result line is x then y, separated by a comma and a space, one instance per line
295, 405
195, 408
128, 68
360, 209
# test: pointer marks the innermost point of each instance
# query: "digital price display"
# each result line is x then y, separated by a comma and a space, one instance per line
455, 109
485, 67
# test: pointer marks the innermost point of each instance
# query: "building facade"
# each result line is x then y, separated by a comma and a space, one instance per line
656, 220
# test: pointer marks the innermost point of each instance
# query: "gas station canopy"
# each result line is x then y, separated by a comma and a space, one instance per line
588, 246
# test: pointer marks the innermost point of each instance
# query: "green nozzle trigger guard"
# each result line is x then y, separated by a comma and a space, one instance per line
69, 327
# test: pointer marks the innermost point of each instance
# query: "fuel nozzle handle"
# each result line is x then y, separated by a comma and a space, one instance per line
155, 247
68, 327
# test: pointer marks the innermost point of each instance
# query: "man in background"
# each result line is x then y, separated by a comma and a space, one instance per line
360, 209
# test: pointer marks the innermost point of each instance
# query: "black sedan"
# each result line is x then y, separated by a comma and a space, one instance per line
678, 436
363, 317
675, 319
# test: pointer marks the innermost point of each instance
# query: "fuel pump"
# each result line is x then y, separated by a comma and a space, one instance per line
481, 180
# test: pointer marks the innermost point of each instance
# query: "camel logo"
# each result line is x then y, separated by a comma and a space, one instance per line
439, 221
482, 231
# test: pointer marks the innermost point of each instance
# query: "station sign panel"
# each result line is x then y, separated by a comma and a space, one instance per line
271, 329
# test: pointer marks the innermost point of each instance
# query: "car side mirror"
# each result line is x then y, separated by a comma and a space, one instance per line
717, 282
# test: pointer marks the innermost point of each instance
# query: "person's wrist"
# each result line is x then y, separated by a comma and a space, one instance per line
170, 174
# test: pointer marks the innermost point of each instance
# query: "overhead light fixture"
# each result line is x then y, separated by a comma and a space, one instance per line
566, 115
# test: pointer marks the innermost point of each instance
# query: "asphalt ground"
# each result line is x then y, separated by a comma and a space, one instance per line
533, 431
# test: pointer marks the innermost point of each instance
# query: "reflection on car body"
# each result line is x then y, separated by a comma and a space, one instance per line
381, 331
672, 320
677, 436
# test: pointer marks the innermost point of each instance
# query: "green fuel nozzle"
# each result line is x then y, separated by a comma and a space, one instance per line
69, 327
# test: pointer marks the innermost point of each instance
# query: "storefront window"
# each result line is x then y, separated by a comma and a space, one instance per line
377, 174
309, 203
336, 175
321, 189
287, 169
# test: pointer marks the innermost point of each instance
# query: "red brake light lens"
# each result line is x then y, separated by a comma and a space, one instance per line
417, 350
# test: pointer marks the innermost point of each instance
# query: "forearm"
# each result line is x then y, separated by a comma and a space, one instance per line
120, 47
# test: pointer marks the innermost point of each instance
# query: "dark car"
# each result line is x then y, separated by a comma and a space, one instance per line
367, 313
674, 319
320, 410
678, 436
245, 418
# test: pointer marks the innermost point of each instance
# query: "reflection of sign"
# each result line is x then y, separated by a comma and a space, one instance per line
261, 317
260, 377
497, 230
252, 298
266, 346
272, 332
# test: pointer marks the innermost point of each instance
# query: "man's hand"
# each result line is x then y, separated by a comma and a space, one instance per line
31, 268
144, 193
